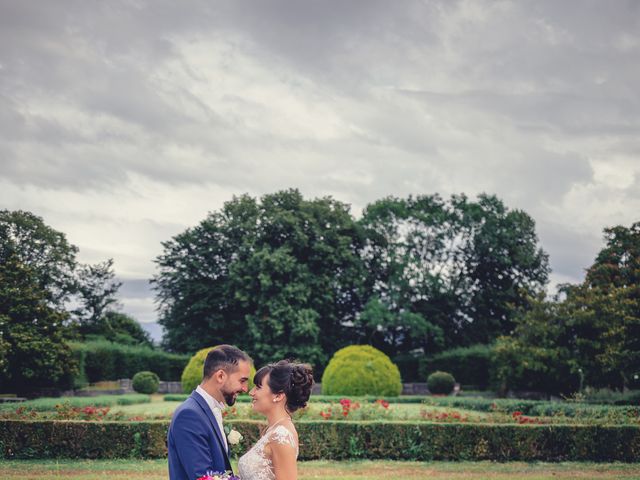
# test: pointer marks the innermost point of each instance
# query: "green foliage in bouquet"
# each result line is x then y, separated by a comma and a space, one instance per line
145, 382
361, 370
441, 383
192, 374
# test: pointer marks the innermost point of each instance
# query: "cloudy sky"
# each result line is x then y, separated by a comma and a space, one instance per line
124, 122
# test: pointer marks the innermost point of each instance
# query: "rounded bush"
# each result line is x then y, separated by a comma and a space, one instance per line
361, 370
192, 373
440, 383
145, 382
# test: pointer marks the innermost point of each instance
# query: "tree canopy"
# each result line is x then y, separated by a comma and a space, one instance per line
286, 276
47, 298
462, 266
589, 335
279, 276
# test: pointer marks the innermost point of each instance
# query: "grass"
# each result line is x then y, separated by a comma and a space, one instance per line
325, 470
396, 412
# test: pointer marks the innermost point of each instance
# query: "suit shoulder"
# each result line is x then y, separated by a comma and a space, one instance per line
188, 408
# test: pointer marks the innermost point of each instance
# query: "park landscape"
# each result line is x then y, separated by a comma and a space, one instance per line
433, 204
551, 394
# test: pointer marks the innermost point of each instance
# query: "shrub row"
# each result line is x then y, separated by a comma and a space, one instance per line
531, 407
180, 397
103, 360
611, 397
49, 404
337, 441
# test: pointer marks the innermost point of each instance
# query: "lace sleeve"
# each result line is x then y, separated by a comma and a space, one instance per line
283, 436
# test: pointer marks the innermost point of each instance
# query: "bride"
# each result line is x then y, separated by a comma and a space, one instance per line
280, 389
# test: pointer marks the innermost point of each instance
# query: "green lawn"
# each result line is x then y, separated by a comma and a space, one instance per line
325, 470
396, 411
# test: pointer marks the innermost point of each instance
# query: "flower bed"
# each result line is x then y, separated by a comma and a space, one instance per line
348, 410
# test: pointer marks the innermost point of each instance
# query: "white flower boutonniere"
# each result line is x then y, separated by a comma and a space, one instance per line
234, 437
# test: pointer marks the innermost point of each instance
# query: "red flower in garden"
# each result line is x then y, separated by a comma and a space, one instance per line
326, 415
346, 406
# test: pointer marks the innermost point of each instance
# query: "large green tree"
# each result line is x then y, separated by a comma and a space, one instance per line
32, 333
41, 282
280, 277
539, 354
96, 291
605, 311
86, 291
117, 327
463, 266
50, 257
589, 335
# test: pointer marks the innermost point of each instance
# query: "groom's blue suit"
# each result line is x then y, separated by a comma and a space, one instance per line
195, 442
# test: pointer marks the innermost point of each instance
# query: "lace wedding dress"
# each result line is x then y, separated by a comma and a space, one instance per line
255, 465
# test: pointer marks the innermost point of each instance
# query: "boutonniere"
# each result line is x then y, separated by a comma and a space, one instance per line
234, 437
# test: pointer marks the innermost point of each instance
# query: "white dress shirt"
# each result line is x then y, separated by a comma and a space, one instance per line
216, 408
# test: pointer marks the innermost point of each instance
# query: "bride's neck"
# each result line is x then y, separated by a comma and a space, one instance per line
277, 415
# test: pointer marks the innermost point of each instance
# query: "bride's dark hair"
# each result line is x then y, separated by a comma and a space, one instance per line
291, 378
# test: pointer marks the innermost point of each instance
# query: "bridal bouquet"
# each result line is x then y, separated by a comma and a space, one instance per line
219, 476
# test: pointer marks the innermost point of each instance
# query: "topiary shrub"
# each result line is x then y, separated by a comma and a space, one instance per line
361, 370
145, 382
192, 373
440, 383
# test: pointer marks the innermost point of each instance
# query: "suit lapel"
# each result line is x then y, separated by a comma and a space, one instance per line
214, 423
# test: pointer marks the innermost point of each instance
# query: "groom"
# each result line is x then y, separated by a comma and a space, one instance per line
196, 440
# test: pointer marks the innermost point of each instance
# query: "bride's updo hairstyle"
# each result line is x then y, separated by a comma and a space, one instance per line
293, 379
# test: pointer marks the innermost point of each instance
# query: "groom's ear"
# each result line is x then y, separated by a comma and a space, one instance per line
220, 375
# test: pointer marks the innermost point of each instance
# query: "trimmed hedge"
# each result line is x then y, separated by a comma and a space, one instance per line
48, 404
181, 397
532, 407
469, 365
102, 360
338, 441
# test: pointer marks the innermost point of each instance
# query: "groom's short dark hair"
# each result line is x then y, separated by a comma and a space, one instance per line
225, 357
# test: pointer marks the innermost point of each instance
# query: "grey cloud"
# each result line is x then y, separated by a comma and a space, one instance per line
571, 251
547, 112
515, 98
135, 288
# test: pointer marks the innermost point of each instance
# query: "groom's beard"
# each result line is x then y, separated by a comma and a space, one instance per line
229, 397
